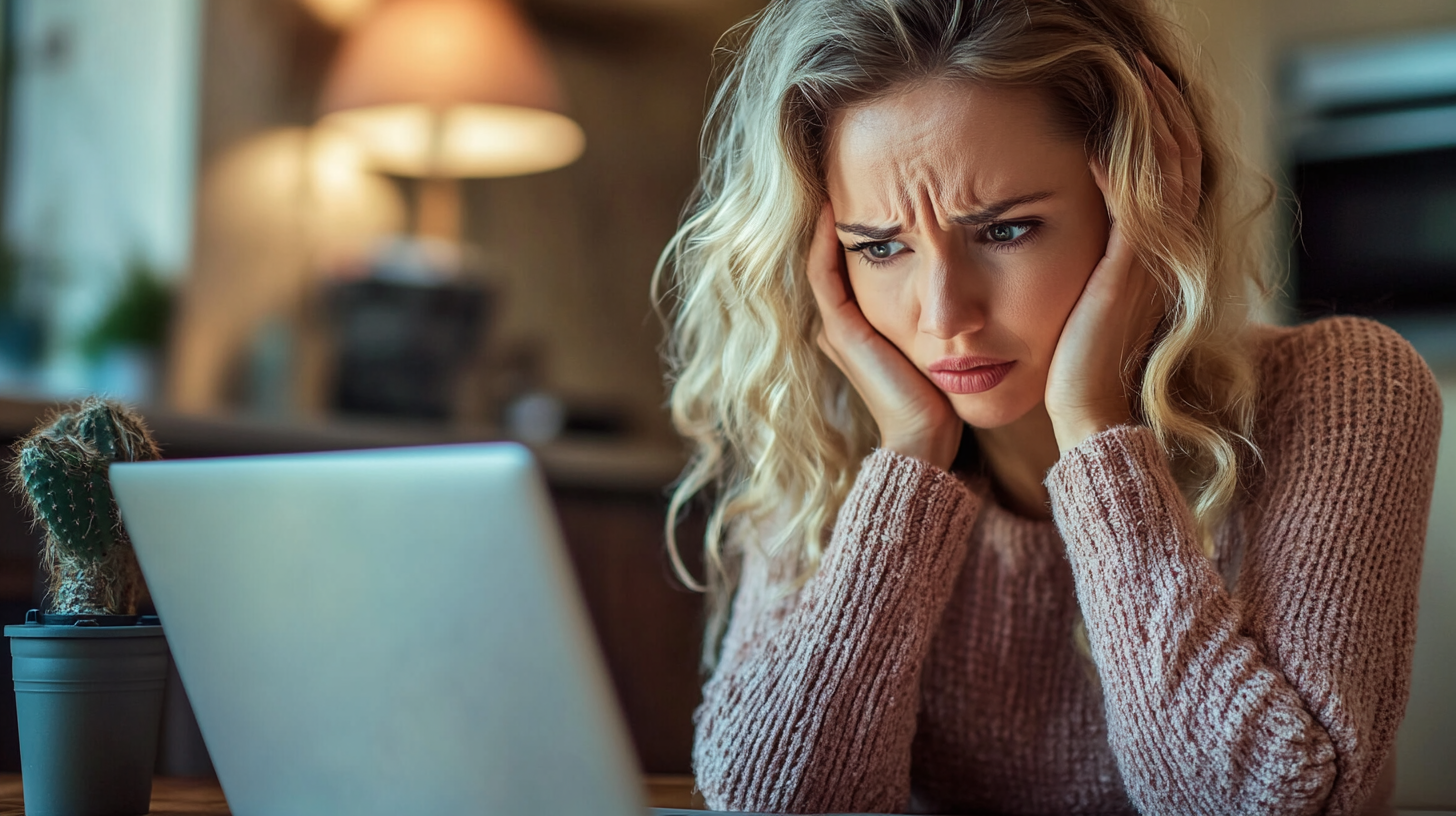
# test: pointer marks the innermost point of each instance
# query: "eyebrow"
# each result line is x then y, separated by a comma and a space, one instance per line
976, 218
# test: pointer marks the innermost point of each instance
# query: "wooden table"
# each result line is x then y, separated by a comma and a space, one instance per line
203, 797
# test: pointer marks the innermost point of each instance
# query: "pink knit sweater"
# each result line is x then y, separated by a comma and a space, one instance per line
930, 662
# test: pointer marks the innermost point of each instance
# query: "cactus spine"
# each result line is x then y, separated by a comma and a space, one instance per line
62, 470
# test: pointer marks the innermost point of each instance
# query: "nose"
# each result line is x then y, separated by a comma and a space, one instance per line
952, 297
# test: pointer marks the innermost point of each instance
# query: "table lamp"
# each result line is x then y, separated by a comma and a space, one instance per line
441, 90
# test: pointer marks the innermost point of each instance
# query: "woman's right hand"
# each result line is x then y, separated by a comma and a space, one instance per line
914, 418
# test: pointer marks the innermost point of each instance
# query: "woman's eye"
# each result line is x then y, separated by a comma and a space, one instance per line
882, 251
1006, 233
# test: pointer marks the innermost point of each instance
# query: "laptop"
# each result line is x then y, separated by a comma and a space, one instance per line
381, 632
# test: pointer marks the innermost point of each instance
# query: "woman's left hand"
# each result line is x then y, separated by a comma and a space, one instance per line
1106, 336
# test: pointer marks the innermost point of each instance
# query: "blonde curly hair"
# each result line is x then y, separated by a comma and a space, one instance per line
778, 433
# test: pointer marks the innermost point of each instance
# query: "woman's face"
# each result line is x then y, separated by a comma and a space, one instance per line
970, 227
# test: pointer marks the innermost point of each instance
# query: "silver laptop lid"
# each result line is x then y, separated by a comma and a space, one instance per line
380, 632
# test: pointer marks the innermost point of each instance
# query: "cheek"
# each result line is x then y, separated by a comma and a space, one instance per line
1034, 300
886, 300
1046, 287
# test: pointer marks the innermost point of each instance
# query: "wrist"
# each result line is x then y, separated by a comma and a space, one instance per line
1074, 430
938, 448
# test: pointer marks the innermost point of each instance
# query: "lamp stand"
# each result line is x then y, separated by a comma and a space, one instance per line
438, 208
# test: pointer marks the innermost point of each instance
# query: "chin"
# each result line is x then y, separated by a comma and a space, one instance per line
988, 412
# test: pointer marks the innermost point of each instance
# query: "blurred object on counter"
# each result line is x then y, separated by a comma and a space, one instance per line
424, 261
402, 347
275, 213
538, 417
441, 90
534, 417
405, 338
268, 390
531, 412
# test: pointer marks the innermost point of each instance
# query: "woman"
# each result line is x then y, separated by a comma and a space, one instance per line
1015, 509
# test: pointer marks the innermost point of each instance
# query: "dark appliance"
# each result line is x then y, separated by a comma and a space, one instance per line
1372, 153
403, 347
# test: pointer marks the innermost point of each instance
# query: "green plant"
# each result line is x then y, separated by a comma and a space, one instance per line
138, 316
61, 468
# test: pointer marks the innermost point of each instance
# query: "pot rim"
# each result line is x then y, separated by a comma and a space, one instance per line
84, 626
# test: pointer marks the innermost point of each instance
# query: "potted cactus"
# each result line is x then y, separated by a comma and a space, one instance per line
89, 673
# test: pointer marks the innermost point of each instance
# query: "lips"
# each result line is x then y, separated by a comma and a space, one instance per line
969, 375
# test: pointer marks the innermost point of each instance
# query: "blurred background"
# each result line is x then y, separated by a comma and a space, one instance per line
331, 209
298, 224
447, 212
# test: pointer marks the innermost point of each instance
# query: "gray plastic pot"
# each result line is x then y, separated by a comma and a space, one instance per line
89, 700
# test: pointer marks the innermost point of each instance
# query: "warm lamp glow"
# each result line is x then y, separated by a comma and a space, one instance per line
340, 13
449, 89
464, 140
291, 186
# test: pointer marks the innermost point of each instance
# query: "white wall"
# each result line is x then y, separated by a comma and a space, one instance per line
101, 161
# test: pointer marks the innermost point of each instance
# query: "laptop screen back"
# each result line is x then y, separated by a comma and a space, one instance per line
380, 632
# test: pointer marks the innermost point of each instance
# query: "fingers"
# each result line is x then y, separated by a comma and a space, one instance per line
842, 319
832, 293
1179, 121
1121, 268
1165, 146
1118, 250
826, 279
1175, 136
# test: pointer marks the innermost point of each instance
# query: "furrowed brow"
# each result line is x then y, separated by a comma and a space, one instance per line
992, 212
872, 233
977, 218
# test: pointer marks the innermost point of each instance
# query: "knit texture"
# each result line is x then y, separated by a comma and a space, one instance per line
929, 663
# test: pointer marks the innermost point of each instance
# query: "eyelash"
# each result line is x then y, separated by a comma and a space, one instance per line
1033, 229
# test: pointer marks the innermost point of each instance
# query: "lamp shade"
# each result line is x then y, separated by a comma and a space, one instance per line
450, 88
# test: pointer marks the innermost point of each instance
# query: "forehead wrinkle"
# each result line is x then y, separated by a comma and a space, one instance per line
929, 196
899, 173
907, 198
914, 189
889, 205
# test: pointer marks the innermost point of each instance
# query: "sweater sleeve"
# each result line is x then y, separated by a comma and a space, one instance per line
1285, 699
812, 705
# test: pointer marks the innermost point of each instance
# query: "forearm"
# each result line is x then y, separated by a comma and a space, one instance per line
1198, 718
818, 714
